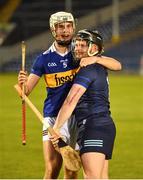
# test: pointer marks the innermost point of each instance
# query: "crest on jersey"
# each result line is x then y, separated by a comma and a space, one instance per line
64, 62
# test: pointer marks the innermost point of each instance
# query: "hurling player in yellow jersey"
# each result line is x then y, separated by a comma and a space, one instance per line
56, 64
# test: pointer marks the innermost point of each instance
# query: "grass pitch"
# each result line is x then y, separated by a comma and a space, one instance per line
26, 162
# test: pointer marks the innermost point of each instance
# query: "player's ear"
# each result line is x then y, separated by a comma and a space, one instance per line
94, 48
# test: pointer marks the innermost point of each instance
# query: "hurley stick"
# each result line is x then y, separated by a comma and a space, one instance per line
23, 47
70, 157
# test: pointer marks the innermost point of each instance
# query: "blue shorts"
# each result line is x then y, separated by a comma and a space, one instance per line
100, 139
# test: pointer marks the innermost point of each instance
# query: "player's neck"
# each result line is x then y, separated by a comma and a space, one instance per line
60, 49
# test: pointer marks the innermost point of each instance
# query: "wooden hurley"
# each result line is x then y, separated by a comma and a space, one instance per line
71, 158
23, 47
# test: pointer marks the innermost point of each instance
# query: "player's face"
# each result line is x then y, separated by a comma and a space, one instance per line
80, 49
64, 31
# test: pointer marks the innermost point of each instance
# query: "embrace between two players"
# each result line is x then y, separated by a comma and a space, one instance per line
89, 94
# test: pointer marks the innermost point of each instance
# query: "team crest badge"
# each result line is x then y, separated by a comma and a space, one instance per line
64, 62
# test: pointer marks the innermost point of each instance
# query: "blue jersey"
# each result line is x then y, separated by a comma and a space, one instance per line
94, 102
58, 71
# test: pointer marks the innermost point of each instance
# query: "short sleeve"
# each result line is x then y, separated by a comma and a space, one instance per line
38, 67
85, 76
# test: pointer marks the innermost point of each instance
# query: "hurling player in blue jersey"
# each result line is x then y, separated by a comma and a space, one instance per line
89, 99
57, 67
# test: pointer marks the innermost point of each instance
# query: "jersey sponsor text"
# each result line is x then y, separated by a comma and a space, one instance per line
58, 79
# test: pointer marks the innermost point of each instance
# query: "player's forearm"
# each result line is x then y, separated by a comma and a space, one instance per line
109, 63
27, 88
31, 83
64, 114
28, 81
69, 105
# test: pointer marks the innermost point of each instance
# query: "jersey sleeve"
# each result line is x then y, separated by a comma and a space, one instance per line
85, 76
38, 67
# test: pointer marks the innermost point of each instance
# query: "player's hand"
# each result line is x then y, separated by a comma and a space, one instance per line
55, 139
87, 61
22, 77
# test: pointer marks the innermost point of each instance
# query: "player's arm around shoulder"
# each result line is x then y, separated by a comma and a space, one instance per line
29, 81
108, 62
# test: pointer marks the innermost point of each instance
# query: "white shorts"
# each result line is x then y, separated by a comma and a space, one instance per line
68, 130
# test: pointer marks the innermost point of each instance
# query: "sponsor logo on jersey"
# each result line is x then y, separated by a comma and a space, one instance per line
60, 78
